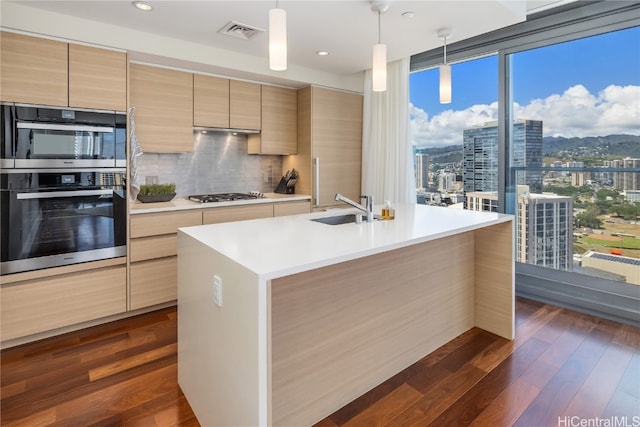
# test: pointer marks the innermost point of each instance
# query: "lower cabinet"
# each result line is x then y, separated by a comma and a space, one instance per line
237, 213
43, 304
153, 273
291, 208
153, 282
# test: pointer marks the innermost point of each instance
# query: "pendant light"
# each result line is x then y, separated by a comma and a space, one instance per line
277, 39
445, 70
379, 62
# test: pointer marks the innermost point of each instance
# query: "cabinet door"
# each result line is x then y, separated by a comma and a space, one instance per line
291, 208
153, 282
33, 70
336, 135
97, 78
163, 101
210, 101
244, 105
44, 304
155, 224
279, 123
237, 213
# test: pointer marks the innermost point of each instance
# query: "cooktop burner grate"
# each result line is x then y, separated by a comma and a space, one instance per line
224, 197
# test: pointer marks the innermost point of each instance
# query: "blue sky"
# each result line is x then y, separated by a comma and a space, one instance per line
538, 73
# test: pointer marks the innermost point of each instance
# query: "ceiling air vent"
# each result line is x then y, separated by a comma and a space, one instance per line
240, 31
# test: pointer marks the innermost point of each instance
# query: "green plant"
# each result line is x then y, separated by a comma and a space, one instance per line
153, 189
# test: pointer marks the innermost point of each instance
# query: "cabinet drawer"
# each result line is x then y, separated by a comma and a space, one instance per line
153, 282
154, 224
237, 213
291, 208
145, 248
44, 304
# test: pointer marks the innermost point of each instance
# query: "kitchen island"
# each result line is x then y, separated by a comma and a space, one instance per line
282, 321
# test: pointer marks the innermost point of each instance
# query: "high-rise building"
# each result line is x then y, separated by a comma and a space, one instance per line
422, 171
446, 181
544, 226
624, 181
480, 155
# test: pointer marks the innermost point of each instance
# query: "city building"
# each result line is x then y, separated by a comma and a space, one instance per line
544, 226
480, 155
618, 264
422, 171
624, 181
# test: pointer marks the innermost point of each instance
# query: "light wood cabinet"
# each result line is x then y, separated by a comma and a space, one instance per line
210, 101
237, 213
153, 282
244, 105
152, 252
48, 72
291, 208
279, 123
97, 78
33, 70
329, 145
163, 101
47, 303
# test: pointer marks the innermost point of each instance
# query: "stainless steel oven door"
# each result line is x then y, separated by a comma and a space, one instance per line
58, 227
50, 145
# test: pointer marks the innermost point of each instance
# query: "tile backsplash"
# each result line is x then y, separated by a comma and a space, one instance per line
219, 163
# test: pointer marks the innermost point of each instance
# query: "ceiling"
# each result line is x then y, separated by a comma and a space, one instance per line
347, 29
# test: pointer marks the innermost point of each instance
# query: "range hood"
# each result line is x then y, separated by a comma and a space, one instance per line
227, 130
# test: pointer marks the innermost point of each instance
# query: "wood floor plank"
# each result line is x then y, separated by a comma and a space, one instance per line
591, 399
505, 409
390, 407
131, 362
560, 390
464, 411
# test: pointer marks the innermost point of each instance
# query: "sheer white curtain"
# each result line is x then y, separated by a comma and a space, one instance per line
387, 154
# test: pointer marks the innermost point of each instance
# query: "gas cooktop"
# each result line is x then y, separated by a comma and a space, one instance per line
224, 197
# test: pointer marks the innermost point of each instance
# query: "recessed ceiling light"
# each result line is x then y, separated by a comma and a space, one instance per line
322, 53
408, 15
142, 6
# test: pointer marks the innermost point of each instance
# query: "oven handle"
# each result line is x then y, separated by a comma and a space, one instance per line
72, 128
54, 194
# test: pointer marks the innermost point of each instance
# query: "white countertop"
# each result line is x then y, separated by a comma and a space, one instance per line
281, 246
181, 203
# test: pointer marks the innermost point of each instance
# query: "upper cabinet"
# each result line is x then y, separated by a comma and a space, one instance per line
279, 123
244, 105
97, 78
48, 72
210, 101
163, 101
226, 104
33, 70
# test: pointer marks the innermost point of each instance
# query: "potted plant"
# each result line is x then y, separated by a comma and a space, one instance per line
150, 193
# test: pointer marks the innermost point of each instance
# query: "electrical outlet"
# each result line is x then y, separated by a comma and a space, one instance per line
217, 290
265, 177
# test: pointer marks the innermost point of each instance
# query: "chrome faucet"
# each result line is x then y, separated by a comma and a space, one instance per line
367, 208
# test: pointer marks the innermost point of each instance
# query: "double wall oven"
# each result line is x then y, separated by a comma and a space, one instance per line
62, 186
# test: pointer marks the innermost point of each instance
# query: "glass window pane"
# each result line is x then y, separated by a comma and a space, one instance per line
574, 148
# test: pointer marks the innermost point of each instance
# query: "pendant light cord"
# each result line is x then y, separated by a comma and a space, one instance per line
445, 50
379, 26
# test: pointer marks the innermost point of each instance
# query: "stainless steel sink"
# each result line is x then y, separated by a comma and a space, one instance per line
336, 220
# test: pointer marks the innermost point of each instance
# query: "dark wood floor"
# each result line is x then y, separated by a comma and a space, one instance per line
562, 364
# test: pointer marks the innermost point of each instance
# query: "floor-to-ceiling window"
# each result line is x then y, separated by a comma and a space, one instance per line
560, 149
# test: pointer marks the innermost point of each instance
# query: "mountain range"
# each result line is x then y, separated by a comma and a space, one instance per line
610, 146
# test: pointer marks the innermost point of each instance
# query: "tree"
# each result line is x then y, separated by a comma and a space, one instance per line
587, 219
